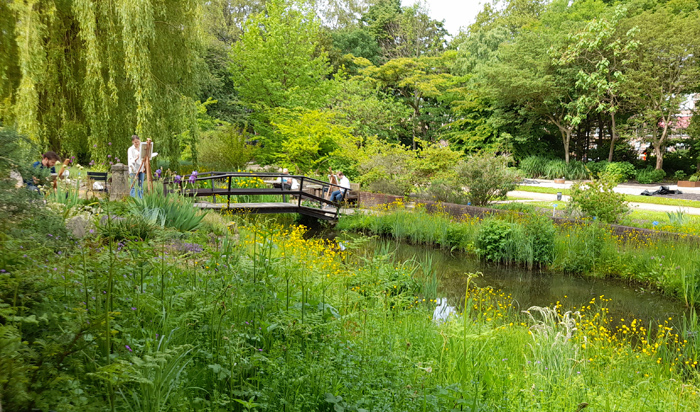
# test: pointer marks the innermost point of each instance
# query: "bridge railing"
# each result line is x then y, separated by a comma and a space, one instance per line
310, 189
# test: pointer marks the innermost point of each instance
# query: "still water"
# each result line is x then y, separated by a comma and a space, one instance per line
534, 287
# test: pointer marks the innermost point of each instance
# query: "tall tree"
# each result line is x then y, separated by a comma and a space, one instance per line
101, 71
666, 65
277, 62
404, 31
527, 76
603, 52
419, 83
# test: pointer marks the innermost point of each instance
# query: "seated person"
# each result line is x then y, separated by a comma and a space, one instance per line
48, 161
344, 183
288, 183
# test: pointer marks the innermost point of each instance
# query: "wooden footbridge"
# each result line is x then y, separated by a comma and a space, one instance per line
258, 193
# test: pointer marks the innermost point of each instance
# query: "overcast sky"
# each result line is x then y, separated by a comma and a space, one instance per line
456, 13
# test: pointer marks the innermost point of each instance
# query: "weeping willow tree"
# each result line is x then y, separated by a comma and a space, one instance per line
84, 75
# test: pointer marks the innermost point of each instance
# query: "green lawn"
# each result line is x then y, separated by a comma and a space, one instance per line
637, 218
630, 198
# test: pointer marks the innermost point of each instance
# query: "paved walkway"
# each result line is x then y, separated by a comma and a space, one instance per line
626, 188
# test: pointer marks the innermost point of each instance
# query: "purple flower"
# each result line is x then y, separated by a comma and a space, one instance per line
133, 308
2, 270
109, 155
110, 143
94, 145
116, 160
177, 179
158, 172
127, 346
192, 247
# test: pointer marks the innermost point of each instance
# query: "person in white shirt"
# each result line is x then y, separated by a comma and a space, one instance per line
287, 181
344, 183
135, 170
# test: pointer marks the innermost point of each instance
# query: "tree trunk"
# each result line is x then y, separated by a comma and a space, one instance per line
566, 137
659, 157
613, 137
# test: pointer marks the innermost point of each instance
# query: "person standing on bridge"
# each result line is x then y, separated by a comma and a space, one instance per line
344, 183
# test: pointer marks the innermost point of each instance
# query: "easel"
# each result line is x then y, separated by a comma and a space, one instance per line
333, 180
145, 153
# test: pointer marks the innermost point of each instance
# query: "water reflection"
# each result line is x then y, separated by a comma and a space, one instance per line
538, 288
443, 311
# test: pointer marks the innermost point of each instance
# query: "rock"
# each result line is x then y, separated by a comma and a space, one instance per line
19, 182
120, 182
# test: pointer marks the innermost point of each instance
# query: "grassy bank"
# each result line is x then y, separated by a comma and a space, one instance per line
587, 248
242, 315
676, 222
630, 198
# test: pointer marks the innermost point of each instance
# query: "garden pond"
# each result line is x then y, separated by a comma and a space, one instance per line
624, 300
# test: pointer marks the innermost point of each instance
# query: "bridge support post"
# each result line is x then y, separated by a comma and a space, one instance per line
228, 200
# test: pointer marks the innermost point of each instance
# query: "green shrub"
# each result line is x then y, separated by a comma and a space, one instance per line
576, 170
125, 228
389, 168
693, 178
534, 166
488, 178
680, 175
621, 171
596, 168
598, 199
445, 190
225, 149
540, 232
650, 175
529, 241
493, 239
556, 169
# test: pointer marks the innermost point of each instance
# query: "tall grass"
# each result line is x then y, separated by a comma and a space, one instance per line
270, 320
556, 169
534, 166
174, 210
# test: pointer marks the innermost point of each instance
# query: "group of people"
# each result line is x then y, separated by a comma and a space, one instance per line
342, 187
136, 169
338, 181
340, 184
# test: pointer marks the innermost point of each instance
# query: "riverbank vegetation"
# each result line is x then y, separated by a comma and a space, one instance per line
586, 247
247, 314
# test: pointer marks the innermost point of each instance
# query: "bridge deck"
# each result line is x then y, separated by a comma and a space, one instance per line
308, 192
262, 208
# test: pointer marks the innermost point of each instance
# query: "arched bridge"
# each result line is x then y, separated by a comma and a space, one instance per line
259, 193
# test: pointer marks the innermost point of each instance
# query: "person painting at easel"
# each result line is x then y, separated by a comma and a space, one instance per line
333, 180
339, 184
136, 166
